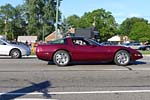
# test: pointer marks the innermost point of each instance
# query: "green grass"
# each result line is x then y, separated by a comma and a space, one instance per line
145, 52
32, 53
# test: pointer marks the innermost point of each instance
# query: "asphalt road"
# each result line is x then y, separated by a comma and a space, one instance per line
32, 78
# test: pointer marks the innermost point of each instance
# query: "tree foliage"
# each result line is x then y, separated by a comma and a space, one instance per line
34, 17
140, 31
103, 20
7, 14
37, 17
136, 28
41, 16
73, 21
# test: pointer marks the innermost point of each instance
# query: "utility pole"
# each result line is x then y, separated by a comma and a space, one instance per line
56, 28
5, 22
43, 33
94, 22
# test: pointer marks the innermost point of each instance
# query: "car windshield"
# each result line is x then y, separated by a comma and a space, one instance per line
5, 41
93, 42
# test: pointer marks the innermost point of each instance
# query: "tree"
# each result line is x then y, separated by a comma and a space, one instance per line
41, 16
73, 21
105, 23
140, 31
136, 28
12, 21
34, 13
6, 18
102, 20
34, 17
19, 21
127, 25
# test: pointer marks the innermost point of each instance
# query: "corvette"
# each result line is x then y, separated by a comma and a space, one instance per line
65, 50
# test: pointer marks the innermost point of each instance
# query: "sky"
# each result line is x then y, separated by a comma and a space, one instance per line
120, 9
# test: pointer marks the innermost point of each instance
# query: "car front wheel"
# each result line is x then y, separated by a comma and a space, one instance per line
15, 53
122, 58
147, 48
61, 58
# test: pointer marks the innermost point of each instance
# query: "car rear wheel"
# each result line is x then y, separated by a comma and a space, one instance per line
61, 58
147, 48
122, 58
15, 53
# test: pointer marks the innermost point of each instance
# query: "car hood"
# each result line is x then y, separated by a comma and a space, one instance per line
116, 48
19, 46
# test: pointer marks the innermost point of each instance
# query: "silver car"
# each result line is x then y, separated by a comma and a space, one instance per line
13, 50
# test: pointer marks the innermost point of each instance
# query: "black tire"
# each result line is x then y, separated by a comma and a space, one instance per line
147, 48
122, 58
15, 53
61, 58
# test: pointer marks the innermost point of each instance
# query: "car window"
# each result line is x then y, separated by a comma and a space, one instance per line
93, 42
2, 43
59, 41
81, 42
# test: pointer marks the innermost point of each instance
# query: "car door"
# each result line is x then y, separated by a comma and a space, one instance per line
4, 48
102, 53
82, 50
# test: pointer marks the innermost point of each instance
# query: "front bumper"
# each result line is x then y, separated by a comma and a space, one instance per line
26, 52
137, 56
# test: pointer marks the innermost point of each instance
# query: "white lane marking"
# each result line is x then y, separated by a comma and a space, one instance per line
33, 99
81, 92
103, 92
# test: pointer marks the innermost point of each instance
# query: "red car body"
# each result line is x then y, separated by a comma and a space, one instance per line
92, 51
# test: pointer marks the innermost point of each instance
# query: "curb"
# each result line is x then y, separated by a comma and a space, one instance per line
146, 54
32, 56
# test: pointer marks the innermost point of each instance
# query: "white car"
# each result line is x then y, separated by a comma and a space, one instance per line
13, 50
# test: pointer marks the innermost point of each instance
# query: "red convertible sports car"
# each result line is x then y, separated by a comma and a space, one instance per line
65, 50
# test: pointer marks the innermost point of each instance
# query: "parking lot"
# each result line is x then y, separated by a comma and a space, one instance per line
32, 78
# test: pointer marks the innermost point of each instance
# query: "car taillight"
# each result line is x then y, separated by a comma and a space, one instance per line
37, 49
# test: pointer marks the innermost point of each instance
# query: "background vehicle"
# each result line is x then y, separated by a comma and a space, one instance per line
107, 43
65, 50
144, 47
13, 50
133, 45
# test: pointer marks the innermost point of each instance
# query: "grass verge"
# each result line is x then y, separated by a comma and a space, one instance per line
145, 52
